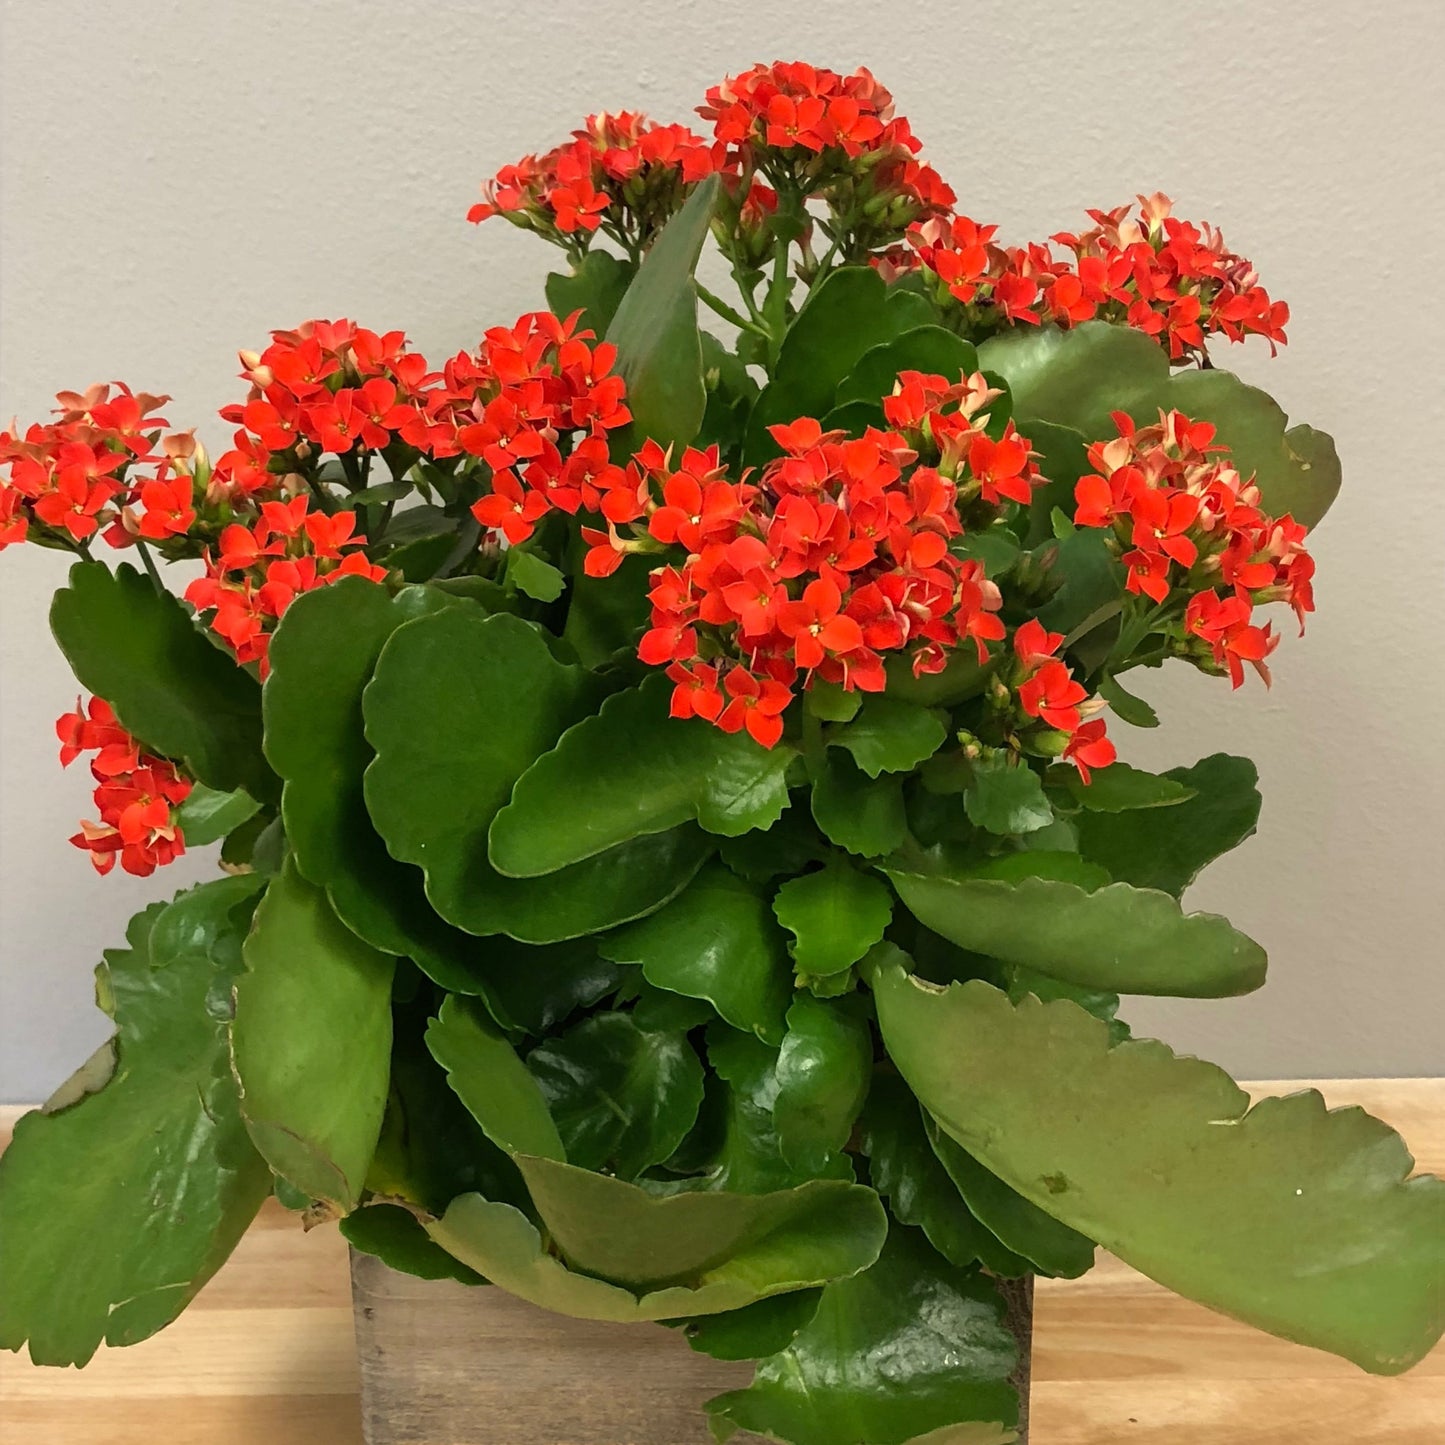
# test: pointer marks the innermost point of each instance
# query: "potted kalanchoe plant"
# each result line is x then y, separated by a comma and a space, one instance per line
677, 865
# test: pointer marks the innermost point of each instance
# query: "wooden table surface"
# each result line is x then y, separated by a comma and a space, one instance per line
265, 1355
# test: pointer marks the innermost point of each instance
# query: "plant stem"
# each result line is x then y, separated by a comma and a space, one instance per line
150, 565
729, 313
814, 749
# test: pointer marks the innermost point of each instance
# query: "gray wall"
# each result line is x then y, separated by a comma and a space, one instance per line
178, 178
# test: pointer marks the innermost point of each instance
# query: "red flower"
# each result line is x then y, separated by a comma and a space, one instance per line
1089, 748
756, 704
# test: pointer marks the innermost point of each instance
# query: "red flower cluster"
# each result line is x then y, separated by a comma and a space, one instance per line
535, 404
829, 135
1169, 278
1045, 689
327, 386
261, 569
838, 553
71, 475
619, 173
1188, 523
137, 794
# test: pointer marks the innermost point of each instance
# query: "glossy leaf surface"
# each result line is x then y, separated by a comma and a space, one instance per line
910, 1346
660, 772
122, 1197
311, 1042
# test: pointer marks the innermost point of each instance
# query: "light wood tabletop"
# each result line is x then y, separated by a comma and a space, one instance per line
265, 1356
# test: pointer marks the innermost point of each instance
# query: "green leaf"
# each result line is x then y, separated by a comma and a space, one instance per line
1287, 1216
846, 315
207, 816
836, 915
1007, 800
531, 989
755, 1330
717, 940
865, 816
595, 288
139, 650
815, 1246
322, 657
788, 847
659, 352
431, 1147
823, 1072
910, 1346
1122, 789
764, 1243
1048, 1244
623, 1100
1167, 848
889, 735
828, 700
91, 1247
904, 1168
459, 708
659, 772
749, 1159
1063, 457
931, 349
1125, 706
312, 1042
1075, 378
396, 1237
495, 1085
534, 575
1120, 938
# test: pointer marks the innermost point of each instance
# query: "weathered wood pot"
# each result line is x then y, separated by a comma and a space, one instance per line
447, 1364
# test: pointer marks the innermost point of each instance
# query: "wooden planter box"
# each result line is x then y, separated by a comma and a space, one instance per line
448, 1364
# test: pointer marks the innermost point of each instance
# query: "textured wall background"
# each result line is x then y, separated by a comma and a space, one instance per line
178, 178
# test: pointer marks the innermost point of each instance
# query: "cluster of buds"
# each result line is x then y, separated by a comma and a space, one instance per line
136, 793
257, 571
99, 467
1172, 279
619, 174
1190, 528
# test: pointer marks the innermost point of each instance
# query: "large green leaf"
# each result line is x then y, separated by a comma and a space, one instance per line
1047, 1243
905, 1169
595, 288
849, 313
808, 1247
207, 816
1076, 378
495, 1085
835, 914
623, 1099
717, 940
910, 1346
631, 771
787, 1239
659, 351
311, 1042
1122, 789
123, 1196
823, 1072
1120, 938
138, 649
1297, 1219
322, 657
460, 705
1167, 848
1007, 800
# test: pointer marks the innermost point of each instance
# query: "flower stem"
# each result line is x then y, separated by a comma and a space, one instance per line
150, 565
729, 313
